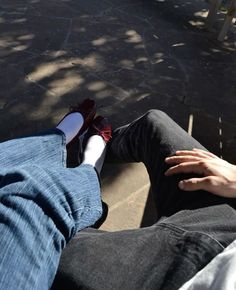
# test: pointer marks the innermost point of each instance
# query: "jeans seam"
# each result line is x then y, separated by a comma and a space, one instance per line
173, 226
63, 143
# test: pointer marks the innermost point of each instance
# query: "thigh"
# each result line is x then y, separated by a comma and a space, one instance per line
158, 257
163, 256
218, 221
149, 139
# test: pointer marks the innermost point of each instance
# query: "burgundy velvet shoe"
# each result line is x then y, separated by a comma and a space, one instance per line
102, 127
88, 110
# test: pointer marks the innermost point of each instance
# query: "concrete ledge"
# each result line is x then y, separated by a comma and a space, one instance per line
125, 189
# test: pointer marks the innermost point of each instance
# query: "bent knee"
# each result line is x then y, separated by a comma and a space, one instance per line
155, 115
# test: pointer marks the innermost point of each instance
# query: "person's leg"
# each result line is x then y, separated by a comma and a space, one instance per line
162, 256
150, 139
42, 206
41, 209
47, 146
154, 258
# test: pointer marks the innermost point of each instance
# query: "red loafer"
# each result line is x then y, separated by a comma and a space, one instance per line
88, 110
102, 127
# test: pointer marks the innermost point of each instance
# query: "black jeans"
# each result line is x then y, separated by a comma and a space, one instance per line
193, 227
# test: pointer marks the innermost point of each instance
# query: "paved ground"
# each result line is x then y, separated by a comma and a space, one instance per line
129, 55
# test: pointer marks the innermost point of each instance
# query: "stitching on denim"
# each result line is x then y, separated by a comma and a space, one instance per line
63, 143
173, 226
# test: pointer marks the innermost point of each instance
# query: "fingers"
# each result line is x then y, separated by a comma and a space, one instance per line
212, 184
204, 183
196, 152
190, 156
206, 153
187, 167
180, 159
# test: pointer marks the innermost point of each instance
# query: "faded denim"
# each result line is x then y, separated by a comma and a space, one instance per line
42, 206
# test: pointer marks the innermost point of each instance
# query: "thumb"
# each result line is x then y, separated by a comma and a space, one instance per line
203, 183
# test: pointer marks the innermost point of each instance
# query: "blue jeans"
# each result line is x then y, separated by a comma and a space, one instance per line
192, 227
42, 206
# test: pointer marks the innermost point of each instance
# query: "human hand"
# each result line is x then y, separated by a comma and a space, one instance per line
217, 175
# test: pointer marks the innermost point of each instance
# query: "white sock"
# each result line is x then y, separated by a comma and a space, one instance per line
94, 153
71, 125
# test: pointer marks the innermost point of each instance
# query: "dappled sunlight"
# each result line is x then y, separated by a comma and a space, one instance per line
158, 61
104, 94
96, 86
56, 54
133, 37
126, 63
48, 69
143, 96
99, 41
93, 61
26, 37
141, 59
197, 23
70, 82
20, 47
229, 45
56, 89
20, 20
12, 44
158, 58
6, 42
202, 13
215, 50
178, 44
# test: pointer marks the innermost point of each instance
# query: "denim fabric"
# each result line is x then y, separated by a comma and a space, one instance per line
192, 228
42, 206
